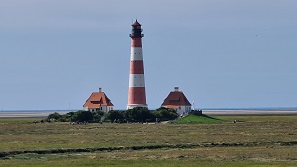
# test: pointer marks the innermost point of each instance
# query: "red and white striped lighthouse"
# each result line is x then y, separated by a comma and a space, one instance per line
136, 93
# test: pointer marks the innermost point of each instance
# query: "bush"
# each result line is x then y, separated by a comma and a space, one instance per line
165, 114
139, 114
196, 112
82, 116
55, 116
97, 115
115, 115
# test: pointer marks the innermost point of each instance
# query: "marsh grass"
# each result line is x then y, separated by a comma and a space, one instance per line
216, 157
193, 119
22, 134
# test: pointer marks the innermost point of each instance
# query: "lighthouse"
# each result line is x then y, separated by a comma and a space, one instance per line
136, 92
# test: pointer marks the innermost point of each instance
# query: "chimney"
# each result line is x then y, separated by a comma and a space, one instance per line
176, 89
100, 89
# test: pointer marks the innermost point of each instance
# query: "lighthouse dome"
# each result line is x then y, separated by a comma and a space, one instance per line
136, 23
136, 30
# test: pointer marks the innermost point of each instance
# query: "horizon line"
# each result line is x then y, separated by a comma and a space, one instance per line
203, 108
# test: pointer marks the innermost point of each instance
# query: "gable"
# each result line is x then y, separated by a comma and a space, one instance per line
176, 98
98, 99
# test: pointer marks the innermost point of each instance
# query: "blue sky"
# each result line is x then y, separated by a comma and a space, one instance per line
55, 53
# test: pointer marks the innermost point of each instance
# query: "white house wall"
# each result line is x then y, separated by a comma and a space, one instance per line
182, 110
102, 108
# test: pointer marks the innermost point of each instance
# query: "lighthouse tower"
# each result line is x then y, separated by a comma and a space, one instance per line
136, 93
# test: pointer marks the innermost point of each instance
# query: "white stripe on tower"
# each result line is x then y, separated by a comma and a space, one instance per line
136, 53
136, 93
136, 80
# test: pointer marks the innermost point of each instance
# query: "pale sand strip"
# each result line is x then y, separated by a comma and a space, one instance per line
26, 114
248, 112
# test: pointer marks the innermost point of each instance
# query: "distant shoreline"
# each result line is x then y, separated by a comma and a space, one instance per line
33, 111
249, 112
214, 112
204, 109
28, 114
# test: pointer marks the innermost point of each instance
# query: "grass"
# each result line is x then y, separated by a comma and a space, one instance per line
193, 119
215, 157
82, 162
22, 134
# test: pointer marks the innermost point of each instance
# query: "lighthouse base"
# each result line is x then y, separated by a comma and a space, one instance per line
131, 106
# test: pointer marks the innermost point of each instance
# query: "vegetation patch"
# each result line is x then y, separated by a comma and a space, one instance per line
194, 119
149, 147
252, 141
137, 114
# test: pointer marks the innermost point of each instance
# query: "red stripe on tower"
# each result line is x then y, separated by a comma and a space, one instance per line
136, 93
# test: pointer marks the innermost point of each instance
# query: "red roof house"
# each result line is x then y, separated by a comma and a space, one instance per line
98, 101
178, 101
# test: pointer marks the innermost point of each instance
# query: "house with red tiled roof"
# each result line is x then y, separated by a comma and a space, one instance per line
178, 101
98, 101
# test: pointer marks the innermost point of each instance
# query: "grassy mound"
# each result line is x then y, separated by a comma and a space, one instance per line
193, 119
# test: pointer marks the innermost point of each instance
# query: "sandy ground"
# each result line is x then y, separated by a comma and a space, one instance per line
26, 114
207, 112
248, 112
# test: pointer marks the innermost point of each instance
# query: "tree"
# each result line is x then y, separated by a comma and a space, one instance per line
138, 114
55, 116
115, 114
165, 114
97, 115
82, 116
70, 116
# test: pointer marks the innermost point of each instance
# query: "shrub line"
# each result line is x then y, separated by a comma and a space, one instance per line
76, 150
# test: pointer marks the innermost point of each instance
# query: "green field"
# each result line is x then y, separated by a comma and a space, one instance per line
252, 141
193, 119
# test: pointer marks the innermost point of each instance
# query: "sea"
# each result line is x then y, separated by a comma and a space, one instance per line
203, 109
206, 111
34, 111
216, 109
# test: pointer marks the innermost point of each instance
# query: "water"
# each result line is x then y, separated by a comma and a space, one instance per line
256, 108
217, 109
30, 111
